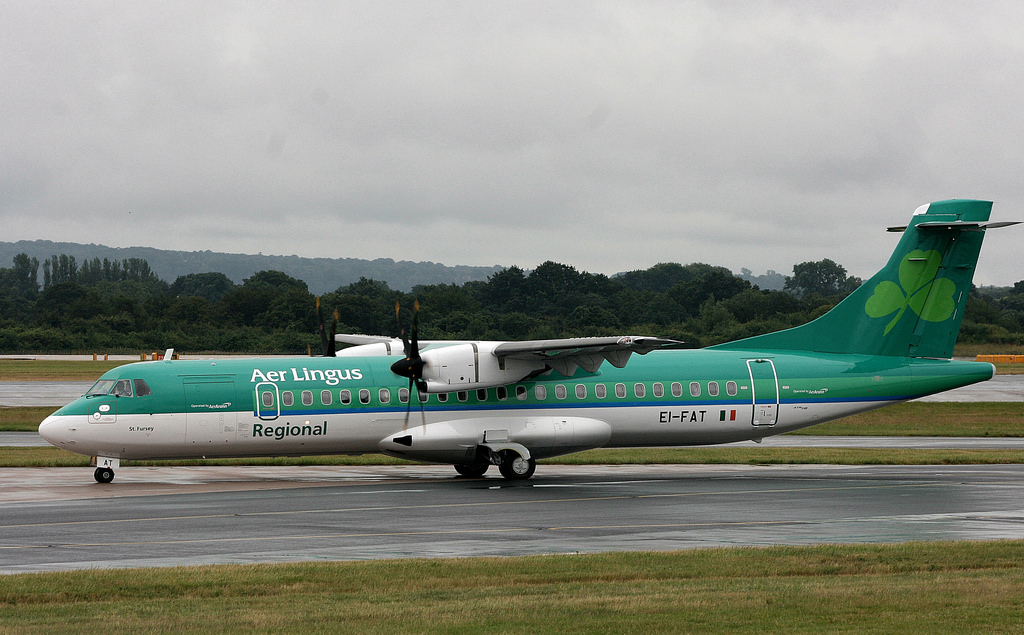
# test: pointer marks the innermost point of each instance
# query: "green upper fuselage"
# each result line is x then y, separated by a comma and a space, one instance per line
310, 386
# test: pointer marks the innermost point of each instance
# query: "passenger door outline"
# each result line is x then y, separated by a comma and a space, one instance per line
764, 388
264, 412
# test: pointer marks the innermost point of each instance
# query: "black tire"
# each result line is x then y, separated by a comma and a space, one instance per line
471, 470
103, 474
515, 468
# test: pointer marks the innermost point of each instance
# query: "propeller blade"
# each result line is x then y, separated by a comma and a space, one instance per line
327, 344
331, 343
411, 365
320, 327
408, 407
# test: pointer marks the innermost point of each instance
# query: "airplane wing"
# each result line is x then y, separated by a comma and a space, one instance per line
566, 355
460, 365
353, 339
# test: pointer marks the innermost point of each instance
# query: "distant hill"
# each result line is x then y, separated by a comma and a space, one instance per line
320, 274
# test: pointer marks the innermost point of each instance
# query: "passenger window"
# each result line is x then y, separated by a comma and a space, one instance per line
541, 392
403, 395
462, 395
521, 393
694, 389
677, 389
502, 393
659, 389
287, 398
384, 395
422, 396
307, 397
268, 399
442, 397
346, 397
123, 388
713, 388
600, 391
620, 391
730, 388
560, 391
581, 391
364, 396
640, 391
142, 388
481, 394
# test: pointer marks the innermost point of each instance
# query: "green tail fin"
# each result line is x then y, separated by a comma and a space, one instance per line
913, 306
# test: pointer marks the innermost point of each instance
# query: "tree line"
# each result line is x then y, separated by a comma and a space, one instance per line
110, 306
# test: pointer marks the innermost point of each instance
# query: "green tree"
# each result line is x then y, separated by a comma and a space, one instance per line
210, 286
822, 277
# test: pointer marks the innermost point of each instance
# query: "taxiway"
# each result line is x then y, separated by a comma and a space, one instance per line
56, 519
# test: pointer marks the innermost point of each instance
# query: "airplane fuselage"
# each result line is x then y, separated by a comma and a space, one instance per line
355, 405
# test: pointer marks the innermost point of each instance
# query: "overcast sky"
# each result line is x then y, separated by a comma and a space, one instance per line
605, 135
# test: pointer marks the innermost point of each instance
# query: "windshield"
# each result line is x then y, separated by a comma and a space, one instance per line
101, 387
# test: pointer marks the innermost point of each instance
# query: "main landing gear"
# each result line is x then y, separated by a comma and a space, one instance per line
514, 467
103, 474
511, 464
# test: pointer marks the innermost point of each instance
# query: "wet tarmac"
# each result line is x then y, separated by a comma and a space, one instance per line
59, 519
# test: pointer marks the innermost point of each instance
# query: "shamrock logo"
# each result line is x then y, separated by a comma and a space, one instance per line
932, 299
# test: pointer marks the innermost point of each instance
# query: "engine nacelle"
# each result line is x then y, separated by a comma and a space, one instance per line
472, 365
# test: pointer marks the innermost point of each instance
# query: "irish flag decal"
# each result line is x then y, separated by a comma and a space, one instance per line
727, 415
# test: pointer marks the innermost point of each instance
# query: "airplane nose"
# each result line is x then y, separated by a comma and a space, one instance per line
52, 429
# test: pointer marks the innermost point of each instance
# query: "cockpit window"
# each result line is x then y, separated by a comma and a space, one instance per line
123, 388
120, 388
101, 387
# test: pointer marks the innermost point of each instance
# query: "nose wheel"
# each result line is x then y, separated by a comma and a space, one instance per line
103, 474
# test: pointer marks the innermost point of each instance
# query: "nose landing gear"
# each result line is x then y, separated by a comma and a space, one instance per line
105, 467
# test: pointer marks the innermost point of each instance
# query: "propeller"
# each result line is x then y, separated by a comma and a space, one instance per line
411, 365
326, 340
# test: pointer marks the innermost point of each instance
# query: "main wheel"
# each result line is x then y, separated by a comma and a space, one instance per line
472, 470
514, 467
103, 474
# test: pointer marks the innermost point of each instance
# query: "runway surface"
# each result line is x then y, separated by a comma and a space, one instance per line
58, 519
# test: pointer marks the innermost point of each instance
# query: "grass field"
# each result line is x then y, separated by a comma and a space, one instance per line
904, 588
53, 370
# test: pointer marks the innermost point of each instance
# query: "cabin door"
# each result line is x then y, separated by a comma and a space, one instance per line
268, 401
764, 384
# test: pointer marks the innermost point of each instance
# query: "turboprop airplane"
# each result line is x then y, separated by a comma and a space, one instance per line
511, 403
